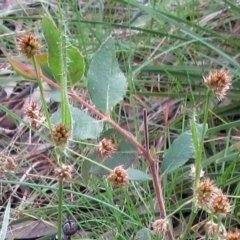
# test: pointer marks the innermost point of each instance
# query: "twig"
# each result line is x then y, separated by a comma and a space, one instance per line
144, 151
146, 129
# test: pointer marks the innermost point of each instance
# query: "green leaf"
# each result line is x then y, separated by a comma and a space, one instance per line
125, 155
75, 66
53, 39
5, 221
181, 150
137, 175
143, 234
21, 68
85, 172
107, 84
84, 126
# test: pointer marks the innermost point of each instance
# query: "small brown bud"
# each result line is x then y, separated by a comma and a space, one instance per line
214, 230
206, 192
28, 45
35, 115
233, 235
7, 163
106, 147
119, 177
220, 205
60, 134
160, 227
219, 82
65, 172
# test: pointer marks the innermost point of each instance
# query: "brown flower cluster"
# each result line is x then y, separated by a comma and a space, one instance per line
35, 115
106, 148
214, 230
233, 235
6, 163
60, 134
119, 177
210, 198
219, 82
65, 172
28, 45
160, 227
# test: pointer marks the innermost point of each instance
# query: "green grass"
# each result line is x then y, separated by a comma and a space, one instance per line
164, 55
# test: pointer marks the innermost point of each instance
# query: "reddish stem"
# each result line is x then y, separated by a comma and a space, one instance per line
152, 162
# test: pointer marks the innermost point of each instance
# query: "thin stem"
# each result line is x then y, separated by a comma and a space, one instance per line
158, 189
199, 150
60, 207
199, 157
40, 84
189, 225
146, 129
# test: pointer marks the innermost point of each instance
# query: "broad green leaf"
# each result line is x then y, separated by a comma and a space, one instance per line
75, 61
181, 150
56, 59
5, 221
53, 39
76, 65
85, 172
107, 84
125, 154
84, 126
137, 175
21, 68
143, 234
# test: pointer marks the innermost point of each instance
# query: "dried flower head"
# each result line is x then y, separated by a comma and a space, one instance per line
119, 177
233, 235
214, 230
206, 192
28, 45
106, 147
193, 172
6, 163
65, 172
60, 134
160, 227
35, 115
219, 82
220, 204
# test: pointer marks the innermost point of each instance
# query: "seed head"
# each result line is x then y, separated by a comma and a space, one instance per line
219, 82
220, 205
28, 45
206, 192
233, 235
65, 172
214, 230
35, 115
106, 147
6, 163
119, 177
160, 227
61, 134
